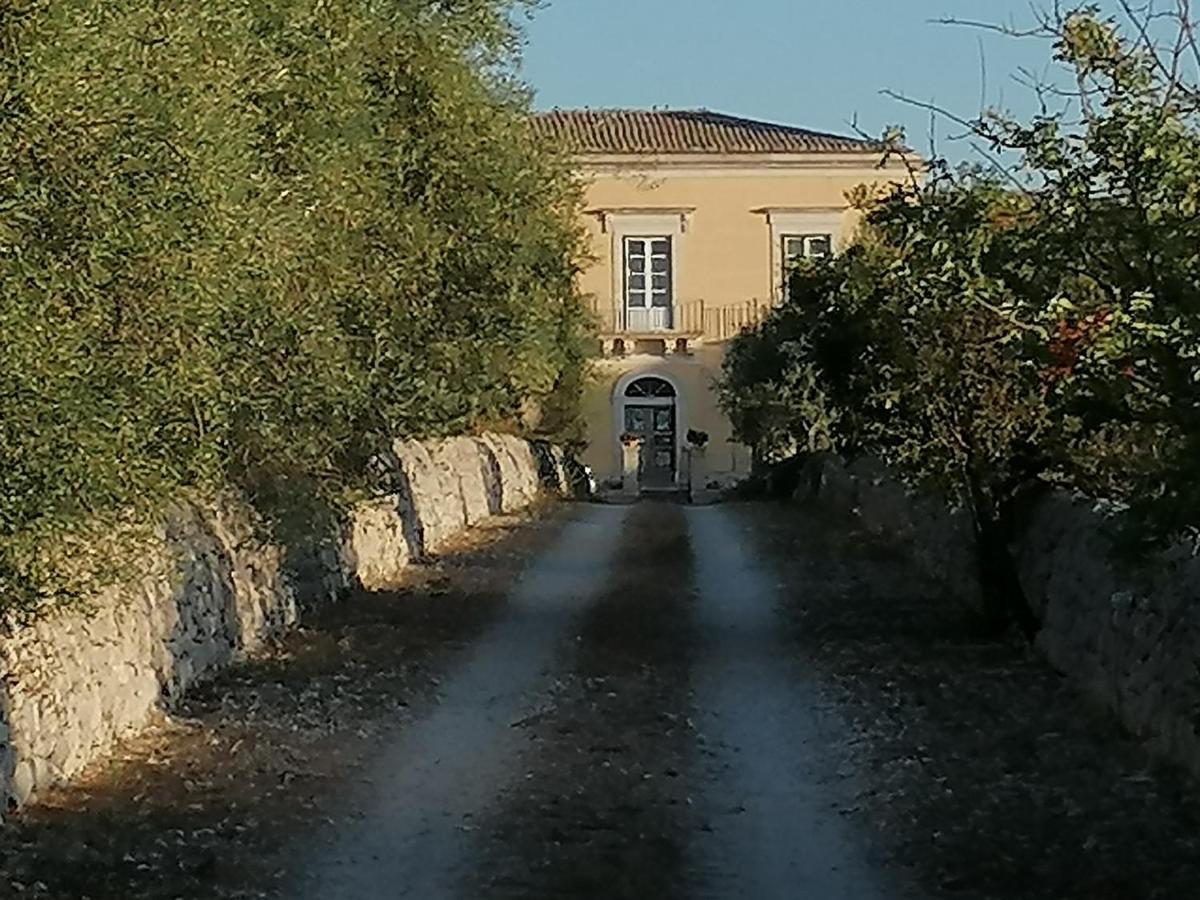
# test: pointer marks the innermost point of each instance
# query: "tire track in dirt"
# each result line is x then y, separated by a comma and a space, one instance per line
604, 810
985, 772
774, 796
418, 802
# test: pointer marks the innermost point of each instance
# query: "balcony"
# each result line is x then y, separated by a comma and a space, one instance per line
674, 329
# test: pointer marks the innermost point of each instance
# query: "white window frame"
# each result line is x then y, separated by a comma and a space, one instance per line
807, 243
649, 256
787, 260
620, 224
784, 223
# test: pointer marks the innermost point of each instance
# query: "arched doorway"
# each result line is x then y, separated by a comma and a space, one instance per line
648, 407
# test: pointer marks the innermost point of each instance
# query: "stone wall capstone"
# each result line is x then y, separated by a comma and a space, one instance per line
77, 681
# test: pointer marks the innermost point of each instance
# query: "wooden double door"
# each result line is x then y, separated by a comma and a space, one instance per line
656, 426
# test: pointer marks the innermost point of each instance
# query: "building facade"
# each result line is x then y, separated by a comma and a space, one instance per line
693, 219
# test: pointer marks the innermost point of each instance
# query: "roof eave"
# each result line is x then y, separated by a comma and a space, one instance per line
828, 159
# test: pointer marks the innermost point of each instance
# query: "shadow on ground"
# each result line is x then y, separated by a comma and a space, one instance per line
199, 805
985, 772
605, 811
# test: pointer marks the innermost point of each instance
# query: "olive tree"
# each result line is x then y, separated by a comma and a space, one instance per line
248, 244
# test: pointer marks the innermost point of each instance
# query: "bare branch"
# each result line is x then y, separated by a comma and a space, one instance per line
1006, 30
973, 127
976, 128
1085, 98
983, 78
914, 171
1189, 30
933, 151
1141, 20
1041, 83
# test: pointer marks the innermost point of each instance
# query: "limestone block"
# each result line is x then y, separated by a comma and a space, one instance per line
518, 471
474, 478
429, 491
23, 783
459, 459
941, 539
552, 469
1127, 637
379, 546
530, 483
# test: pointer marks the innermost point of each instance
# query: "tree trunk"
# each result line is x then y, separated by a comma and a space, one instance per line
1004, 600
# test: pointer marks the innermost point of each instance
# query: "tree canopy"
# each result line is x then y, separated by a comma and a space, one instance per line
249, 243
1030, 323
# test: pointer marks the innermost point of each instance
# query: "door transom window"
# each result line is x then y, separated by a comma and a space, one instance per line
650, 387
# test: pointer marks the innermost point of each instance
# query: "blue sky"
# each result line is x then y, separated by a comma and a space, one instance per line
815, 63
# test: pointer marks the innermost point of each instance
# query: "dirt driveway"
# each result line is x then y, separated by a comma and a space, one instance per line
625, 702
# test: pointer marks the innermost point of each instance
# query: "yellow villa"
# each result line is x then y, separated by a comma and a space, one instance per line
693, 218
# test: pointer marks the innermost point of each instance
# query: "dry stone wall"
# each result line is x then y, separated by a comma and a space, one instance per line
942, 542
213, 590
1128, 637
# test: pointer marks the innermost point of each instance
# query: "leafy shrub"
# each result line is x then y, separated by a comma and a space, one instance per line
991, 333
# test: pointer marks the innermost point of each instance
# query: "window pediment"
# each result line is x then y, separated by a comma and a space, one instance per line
656, 219
801, 232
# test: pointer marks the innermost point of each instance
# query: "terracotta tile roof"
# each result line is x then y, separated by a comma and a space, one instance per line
684, 131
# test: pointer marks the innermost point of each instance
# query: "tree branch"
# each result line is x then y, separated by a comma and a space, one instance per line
1006, 30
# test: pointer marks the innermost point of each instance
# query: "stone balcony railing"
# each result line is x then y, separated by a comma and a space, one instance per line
677, 328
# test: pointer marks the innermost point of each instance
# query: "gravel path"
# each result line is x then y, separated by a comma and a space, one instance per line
405, 831
776, 795
631, 704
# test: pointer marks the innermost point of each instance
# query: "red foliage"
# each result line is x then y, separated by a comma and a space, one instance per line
1071, 339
